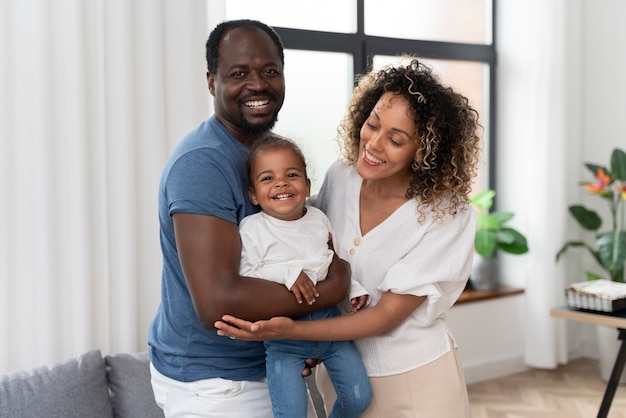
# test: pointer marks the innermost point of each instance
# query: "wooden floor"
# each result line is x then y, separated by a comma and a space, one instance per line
571, 391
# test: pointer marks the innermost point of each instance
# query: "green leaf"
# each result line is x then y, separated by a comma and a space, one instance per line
571, 244
587, 218
511, 241
593, 168
502, 217
490, 234
485, 221
612, 250
483, 199
618, 164
593, 276
505, 236
485, 242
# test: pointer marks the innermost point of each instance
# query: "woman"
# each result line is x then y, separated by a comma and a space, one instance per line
399, 208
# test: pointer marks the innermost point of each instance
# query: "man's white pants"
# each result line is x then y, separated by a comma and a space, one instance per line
216, 397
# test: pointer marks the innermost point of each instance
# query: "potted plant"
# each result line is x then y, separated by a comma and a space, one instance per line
492, 235
610, 246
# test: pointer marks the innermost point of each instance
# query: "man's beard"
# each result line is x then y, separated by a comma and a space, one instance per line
257, 128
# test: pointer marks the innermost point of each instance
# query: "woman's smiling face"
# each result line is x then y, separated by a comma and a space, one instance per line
388, 140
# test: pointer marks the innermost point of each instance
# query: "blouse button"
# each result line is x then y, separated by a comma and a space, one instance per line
357, 241
352, 251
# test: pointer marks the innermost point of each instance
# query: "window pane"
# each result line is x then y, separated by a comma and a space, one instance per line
466, 21
315, 102
320, 15
471, 79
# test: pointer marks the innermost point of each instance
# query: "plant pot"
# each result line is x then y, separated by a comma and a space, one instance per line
608, 346
485, 274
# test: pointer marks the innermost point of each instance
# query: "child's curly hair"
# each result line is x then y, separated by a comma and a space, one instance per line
447, 129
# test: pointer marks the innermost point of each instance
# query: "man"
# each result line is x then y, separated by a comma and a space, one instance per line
203, 195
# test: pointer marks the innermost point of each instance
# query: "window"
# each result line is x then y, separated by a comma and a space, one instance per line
462, 21
327, 42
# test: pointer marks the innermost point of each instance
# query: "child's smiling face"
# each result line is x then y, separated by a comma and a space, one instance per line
279, 183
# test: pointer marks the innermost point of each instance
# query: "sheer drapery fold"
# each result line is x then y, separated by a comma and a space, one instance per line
93, 97
538, 137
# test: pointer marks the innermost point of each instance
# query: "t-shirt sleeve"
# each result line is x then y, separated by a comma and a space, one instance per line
437, 267
196, 183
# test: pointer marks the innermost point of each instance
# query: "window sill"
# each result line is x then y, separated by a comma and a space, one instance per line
471, 295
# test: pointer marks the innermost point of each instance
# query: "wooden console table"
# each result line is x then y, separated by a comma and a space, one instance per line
615, 319
471, 295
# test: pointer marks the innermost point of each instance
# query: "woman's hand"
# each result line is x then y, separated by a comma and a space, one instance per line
276, 328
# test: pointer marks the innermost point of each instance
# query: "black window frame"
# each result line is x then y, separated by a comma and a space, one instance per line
363, 47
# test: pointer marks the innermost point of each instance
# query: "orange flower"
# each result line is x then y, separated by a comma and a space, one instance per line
599, 187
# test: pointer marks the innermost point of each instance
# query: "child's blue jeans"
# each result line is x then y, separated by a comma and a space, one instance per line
285, 362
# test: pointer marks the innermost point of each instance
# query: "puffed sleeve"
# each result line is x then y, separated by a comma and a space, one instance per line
437, 266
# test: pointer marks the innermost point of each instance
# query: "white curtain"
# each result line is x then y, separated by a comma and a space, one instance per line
538, 143
94, 94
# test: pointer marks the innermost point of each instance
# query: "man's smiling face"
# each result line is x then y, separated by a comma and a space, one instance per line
249, 87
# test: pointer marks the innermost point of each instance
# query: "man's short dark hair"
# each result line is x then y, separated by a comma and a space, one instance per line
213, 43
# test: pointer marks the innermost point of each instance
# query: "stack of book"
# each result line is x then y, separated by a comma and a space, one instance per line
597, 295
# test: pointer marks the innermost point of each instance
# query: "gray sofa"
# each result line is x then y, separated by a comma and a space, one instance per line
89, 386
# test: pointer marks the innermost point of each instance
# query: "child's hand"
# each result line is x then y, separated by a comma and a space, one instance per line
303, 288
331, 246
358, 302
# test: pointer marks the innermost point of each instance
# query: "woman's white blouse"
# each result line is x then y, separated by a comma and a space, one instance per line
401, 255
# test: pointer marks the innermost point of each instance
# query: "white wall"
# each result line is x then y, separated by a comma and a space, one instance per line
490, 338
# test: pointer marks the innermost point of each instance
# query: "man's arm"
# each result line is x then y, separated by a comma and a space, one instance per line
209, 250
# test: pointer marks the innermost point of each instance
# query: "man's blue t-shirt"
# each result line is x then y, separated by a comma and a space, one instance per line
206, 174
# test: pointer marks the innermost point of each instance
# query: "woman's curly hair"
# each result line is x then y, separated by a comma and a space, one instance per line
447, 131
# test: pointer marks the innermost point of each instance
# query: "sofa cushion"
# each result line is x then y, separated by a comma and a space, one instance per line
130, 387
74, 388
